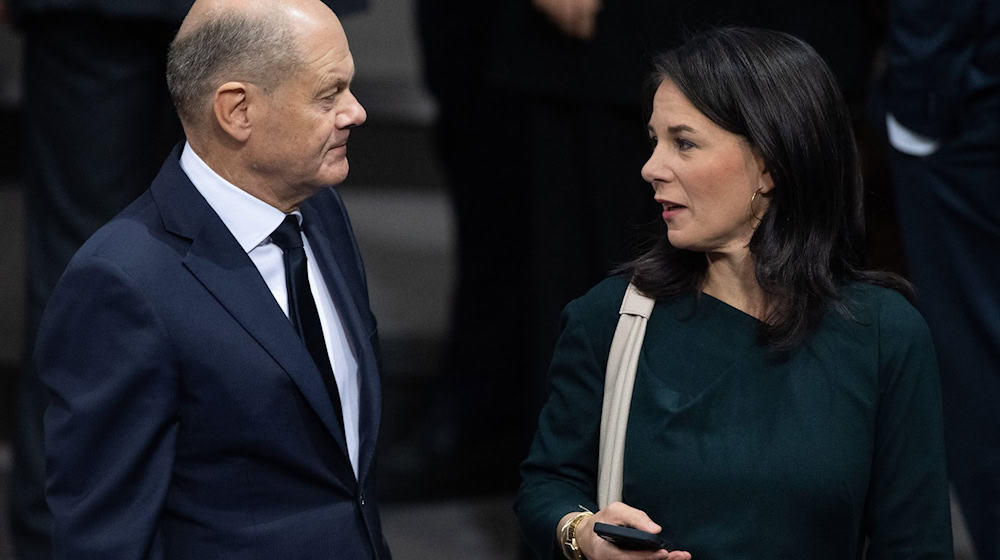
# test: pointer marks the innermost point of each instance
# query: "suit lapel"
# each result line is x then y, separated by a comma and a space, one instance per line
221, 265
335, 251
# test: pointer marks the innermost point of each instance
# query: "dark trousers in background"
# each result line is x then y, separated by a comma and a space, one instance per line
548, 198
472, 431
588, 204
97, 116
949, 213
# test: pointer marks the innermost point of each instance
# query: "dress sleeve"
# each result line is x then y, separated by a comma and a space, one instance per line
907, 512
111, 424
560, 473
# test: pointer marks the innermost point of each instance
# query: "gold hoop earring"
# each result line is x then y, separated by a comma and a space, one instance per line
753, 215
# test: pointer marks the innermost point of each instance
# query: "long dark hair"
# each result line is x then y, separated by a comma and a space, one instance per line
776, 92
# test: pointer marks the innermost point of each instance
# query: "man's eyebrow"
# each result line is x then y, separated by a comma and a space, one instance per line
331, 81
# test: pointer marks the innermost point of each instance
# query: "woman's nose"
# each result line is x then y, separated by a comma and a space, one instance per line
656, 169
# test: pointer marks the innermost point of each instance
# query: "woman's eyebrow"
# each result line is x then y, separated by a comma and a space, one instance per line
680, 128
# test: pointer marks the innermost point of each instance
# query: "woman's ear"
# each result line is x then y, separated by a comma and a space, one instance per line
765, 181
231, 109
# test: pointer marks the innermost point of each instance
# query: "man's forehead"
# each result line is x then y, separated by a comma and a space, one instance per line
333, 72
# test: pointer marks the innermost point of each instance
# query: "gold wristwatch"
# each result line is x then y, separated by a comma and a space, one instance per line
567, 536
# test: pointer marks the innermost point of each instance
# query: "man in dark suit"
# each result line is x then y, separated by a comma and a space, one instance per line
943, 101
98, 122
212, 371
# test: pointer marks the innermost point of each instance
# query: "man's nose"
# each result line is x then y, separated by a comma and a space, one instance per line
354, 115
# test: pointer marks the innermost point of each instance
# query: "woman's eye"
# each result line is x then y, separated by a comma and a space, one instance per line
683, 145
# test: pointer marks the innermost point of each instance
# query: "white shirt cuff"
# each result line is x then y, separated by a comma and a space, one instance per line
907, 141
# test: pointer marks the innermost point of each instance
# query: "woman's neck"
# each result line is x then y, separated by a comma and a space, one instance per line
732, 279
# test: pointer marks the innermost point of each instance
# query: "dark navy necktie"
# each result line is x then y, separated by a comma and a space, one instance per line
301, 306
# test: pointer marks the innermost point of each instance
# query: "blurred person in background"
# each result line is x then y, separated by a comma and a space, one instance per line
98, 122
488, 331
787, 401
943, 102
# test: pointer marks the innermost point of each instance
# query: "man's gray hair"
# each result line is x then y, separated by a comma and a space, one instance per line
229, 47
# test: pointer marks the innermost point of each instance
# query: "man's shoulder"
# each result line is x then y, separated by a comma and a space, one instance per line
141, 231
134, 239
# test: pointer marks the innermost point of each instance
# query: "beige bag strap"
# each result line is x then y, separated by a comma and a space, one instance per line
618, 381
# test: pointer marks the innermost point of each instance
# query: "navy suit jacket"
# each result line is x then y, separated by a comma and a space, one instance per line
187, 418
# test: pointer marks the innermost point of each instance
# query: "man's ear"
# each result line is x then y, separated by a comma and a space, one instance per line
231, 107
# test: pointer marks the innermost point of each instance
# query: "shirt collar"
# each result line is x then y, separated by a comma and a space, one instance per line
248, 218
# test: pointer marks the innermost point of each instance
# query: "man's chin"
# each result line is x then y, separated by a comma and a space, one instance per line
334, 174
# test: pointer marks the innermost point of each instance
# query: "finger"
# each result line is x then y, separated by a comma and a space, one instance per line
564, 14
557, 11
589, 21
623, 514
585, 19
584, 26
655, 555
679, 555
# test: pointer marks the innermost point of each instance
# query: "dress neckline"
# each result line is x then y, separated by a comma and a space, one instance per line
729, 308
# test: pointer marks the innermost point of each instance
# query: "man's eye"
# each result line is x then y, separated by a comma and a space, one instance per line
652, 141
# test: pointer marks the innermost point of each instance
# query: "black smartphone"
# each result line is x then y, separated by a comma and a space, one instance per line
628, 538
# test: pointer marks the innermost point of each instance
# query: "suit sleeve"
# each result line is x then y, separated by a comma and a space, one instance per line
907, 512
111, 424
560, 473
930, 48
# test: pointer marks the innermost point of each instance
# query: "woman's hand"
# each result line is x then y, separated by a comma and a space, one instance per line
617, 513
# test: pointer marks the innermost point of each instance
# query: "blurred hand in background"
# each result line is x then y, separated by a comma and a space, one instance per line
576, 18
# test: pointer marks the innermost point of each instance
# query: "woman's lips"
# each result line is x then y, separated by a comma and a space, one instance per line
671, 210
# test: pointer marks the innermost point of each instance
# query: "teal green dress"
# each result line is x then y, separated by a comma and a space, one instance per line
738, 453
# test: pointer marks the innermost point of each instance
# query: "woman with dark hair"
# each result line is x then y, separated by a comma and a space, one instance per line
786, 401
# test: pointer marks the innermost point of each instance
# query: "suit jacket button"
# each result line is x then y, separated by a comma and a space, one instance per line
362, 499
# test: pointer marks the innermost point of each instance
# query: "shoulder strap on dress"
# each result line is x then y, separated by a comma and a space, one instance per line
619, 379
